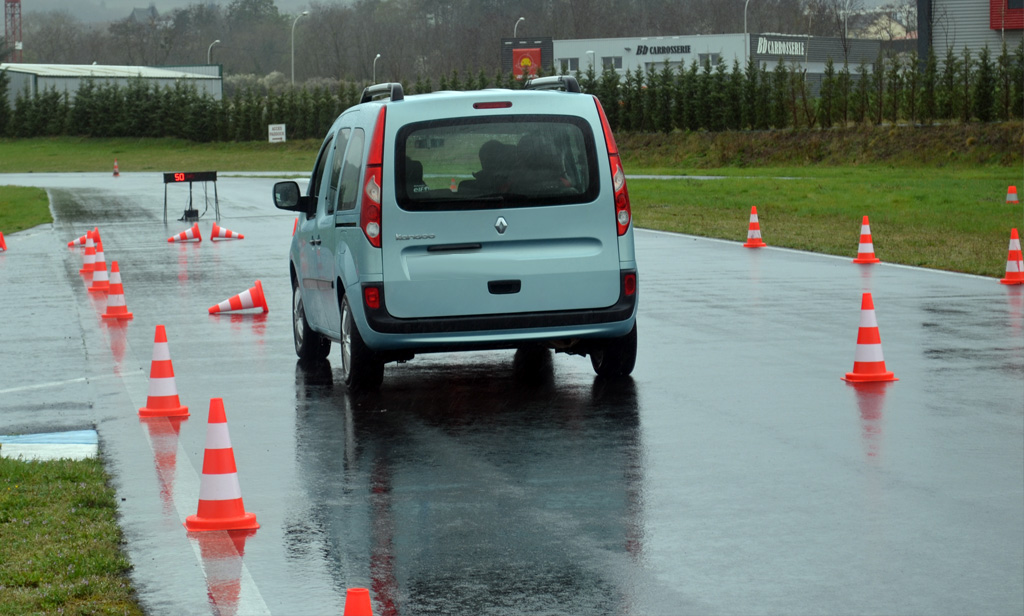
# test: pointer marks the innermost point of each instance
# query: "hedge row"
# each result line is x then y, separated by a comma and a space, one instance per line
893, 89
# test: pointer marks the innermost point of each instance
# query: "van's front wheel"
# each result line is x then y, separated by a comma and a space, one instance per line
616, 356
309, 345
361, 368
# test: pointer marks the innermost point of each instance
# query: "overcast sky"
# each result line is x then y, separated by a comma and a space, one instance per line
111, 10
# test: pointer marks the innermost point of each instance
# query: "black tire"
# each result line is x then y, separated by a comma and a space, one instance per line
361, 368
616, 356
309, 345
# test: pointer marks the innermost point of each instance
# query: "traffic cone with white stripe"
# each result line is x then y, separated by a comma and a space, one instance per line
357, 602
868, 363
866, 248
1014, 262
100, 279
116, 308
192, 233
220, 497
1011, 195
253, 298
89, 260
80, 242
163, 391
220, 233
754, 231
117, 173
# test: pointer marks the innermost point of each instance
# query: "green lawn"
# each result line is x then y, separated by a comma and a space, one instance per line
60, 546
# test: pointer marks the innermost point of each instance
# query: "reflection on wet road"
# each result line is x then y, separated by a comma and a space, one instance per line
735, 473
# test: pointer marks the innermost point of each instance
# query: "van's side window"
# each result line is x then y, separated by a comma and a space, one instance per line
339, 154
321, 163
349, 193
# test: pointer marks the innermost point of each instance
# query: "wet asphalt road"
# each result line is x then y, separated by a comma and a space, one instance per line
735, 473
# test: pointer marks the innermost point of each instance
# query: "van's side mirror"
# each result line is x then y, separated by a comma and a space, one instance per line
288, 197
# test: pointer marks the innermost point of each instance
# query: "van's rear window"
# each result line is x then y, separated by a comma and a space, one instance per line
495, 162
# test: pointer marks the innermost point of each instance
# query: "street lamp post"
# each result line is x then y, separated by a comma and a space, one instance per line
293, 42
746, 41
210, 49
515, 28
375, 68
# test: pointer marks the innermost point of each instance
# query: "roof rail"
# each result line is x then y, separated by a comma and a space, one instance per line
392, 91
558, 82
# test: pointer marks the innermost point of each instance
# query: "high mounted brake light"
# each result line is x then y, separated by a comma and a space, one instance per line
369, 215
495, 105
623, 212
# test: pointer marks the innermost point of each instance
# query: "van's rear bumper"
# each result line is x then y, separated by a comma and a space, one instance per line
622, 310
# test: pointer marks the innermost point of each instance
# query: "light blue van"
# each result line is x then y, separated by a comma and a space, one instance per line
492, 219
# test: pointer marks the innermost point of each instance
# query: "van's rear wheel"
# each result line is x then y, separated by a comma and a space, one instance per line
616, 356
360, 366
309, 345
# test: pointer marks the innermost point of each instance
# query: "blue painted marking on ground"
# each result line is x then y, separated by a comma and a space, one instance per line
73, 437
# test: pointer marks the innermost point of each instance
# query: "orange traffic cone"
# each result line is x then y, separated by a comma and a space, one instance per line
357, 602
219, 233
1011, 195
220, 497
89, 260
116, 308
866, 249
163, 392
1014, 262
100, 280
192, 233
116, 172
453, 187
754, 232
79, 242
868, 363
3, 243
295, 226
253, 298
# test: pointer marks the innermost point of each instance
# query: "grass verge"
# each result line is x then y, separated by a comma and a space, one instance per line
23, 207
936, 218
61, 543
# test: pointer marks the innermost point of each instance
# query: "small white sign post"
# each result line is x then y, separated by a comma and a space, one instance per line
276, 133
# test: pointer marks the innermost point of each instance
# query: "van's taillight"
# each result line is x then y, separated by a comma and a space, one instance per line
369, 215
371, 296
623, 212
629, 284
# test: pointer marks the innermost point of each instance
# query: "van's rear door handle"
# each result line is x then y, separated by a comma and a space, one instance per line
504, 287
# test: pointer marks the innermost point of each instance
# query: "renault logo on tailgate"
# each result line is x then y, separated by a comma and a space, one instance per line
501, 225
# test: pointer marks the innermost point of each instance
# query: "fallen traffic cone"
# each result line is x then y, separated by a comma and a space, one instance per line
116, 308
1011, 195
116, 172
192, 233
253, 298
3, 243
100, 280
1014, 262
357, 602
868, 363
163, 392
226, 234
754, 232
90, 255
80, 241
220, 497
866, 249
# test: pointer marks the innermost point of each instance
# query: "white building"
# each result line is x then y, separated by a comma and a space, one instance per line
40, 78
